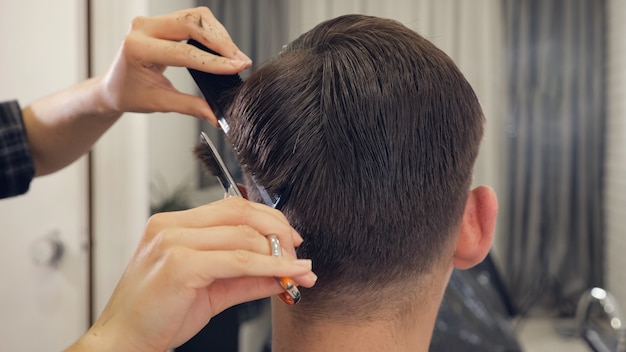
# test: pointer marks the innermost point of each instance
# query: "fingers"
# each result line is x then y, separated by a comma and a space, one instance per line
215, 238
171, 53
193, 268
135, 81
175, 101
241, 263
200, 24
229, 212
197, 23
191, 265
234, 244
215, 271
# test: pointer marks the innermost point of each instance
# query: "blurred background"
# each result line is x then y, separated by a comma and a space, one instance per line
551, 78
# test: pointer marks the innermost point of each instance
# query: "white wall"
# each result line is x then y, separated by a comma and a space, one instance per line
135, 152
172, 136
43, 308
616, 153
120, 160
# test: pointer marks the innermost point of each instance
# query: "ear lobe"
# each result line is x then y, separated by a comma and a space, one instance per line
477, 227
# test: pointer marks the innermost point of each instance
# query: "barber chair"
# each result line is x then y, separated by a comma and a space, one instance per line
476, 313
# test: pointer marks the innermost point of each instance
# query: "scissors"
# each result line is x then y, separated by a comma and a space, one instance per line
219, 169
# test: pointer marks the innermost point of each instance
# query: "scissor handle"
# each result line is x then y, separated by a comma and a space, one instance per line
291, 294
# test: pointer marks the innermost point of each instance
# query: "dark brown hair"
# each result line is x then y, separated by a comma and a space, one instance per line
371, 133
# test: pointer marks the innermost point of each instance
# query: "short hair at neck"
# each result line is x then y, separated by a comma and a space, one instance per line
372, 132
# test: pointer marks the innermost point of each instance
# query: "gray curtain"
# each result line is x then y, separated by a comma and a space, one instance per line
554, 236
260, 29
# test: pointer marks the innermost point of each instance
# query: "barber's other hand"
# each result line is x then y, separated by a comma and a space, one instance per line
135, 81
191, 265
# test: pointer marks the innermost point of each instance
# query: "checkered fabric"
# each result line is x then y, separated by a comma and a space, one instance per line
16, 164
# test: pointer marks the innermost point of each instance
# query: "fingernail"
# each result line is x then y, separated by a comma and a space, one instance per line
305, 263
237, 63
209, 117
298, 238
243, 57
311, 276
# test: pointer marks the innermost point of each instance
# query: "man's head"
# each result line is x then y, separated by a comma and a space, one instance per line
369, 134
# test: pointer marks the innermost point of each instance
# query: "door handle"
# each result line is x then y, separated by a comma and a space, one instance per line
47, 250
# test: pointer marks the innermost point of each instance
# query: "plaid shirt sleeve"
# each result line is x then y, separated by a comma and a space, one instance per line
16, 163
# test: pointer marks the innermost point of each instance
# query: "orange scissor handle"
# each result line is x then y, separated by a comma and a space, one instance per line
291, 294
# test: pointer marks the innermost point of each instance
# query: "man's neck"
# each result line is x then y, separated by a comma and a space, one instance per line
409, 333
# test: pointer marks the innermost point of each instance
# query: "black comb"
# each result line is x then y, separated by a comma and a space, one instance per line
218, 90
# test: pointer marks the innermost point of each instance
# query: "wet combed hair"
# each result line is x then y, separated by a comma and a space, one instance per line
371, 132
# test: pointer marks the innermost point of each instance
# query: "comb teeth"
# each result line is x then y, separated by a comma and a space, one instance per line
218, 90
269, 199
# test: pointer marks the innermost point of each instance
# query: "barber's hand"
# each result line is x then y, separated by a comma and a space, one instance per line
191, 265
135, 82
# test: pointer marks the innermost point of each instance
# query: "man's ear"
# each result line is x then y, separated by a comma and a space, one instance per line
477, 227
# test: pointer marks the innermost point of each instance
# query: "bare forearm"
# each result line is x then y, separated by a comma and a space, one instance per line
64, 126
